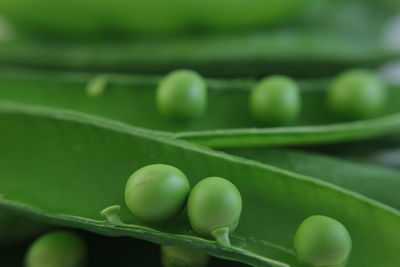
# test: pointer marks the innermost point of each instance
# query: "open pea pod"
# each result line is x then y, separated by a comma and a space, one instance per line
133, 18
226, 123
376, 182
302, 54
382, 151
329, 37
65, 167
217, 55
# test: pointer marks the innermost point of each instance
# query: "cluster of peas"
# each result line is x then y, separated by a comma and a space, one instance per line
275, 100
156, 193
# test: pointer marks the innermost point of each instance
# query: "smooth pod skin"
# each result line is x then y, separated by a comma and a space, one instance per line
57, 249
136, 18
275, 100
157, 192
182, 95
321, 241
177, 256
357, 94
214, 203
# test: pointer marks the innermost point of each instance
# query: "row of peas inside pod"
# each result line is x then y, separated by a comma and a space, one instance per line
275, 100
157, 193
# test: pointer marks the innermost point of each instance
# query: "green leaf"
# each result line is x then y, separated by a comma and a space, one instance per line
227, 122
379, 183
65, 167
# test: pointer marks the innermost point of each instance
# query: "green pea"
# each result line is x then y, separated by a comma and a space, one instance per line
57, 249
182, 95
214, 208
322, 241
156, 192
177, 256
275, 100
357, 94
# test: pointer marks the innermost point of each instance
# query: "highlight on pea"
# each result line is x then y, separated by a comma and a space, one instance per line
322, 241
157, 192
214, 208
357, 94
57, 249
182, 95
275, 101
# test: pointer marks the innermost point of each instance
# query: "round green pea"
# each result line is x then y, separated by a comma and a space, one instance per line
322, 241
156, 193
357, 94
214, 203
275, 100
182, 95
57, 249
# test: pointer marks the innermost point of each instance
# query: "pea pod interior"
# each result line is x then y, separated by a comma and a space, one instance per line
227, 121
373, 181
67, 155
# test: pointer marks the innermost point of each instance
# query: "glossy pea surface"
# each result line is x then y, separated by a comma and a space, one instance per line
57, 249
357, 94
275, 101
157, 192
182, 95
214, 203
322, 241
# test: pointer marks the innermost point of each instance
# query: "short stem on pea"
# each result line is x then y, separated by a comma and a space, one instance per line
112, 214
221, 235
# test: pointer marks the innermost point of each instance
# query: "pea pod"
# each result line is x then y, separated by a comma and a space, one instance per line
319, 43
175, 256
143, 18
227, 121
276, 200
216, 56
382, 151
370, 180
